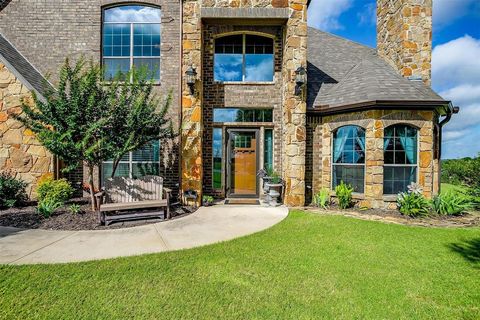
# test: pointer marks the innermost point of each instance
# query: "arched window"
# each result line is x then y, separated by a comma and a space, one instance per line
400, 158
243, 57
349, 157
131, 38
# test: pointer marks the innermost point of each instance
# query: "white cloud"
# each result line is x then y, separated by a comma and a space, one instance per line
324, 14
447, 11
368, 15
132, 14
456, 62
456, 75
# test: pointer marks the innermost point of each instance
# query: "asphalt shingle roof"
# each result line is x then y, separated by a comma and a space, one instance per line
342, 72
22, 67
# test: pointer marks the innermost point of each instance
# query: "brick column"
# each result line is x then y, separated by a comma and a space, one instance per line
192, 128
294, 107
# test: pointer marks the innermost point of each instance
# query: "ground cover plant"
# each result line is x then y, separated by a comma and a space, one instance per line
307, 267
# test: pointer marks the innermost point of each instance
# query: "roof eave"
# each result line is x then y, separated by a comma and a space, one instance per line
440, 105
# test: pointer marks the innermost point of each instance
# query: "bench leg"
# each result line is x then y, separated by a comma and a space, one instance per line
168, 213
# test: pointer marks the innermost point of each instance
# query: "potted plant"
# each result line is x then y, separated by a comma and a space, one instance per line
207, 200
273, 186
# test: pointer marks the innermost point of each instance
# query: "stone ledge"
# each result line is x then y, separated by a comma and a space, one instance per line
245, 13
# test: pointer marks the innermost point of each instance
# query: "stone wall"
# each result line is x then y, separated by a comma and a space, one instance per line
48, 31
374, 123
404, 36
20, 153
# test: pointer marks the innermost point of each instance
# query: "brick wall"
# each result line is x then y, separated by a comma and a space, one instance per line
48, 31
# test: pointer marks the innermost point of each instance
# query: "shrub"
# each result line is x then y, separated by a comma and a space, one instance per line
322, 198
47, 207
344, 195
12, 191
451, 204
56, 190
75, 208
413, 204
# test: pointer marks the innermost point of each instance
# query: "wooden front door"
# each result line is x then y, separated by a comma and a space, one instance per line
242, 163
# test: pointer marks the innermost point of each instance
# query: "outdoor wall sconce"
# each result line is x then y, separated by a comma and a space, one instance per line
191, 76
300, 80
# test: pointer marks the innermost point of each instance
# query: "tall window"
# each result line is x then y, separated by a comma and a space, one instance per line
400, 158
268, 150
349, 157
131, 38
217, 158
243, 57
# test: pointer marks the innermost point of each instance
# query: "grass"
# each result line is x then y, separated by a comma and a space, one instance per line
307, 267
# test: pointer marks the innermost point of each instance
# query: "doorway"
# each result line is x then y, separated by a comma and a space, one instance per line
242, 162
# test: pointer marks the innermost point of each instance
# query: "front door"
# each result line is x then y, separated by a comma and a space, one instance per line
242, 155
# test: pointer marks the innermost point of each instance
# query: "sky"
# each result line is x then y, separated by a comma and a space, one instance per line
455, 57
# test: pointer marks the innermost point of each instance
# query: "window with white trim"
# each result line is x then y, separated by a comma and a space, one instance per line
243, 58
400, 158
131, 38
348, 163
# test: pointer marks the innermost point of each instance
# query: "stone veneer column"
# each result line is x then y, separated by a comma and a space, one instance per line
294, 107
404, 36
425, 159
374, 163
20, 152
192, 128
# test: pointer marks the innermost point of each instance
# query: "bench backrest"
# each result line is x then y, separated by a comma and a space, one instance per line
121, 189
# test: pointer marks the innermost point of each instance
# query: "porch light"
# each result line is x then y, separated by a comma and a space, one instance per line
191, 77
300, 79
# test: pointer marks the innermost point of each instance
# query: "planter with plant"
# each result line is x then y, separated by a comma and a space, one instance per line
207, 200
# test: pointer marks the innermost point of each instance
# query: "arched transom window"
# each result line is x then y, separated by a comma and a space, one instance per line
349, 157
400, 158
244, 57
131, 38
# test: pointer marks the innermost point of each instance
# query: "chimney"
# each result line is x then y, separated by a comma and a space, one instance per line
404, 36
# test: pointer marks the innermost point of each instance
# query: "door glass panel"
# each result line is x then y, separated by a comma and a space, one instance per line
217, 158
243, 166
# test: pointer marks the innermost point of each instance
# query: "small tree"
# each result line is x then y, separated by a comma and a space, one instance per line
137, 116
81, 121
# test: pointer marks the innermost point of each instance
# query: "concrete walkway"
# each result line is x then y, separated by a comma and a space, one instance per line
206, 226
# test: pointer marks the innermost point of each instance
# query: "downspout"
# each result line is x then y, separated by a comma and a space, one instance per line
450, 111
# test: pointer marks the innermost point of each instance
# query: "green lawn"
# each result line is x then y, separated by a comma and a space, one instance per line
307, 267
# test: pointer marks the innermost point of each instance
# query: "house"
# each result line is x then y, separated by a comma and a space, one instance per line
254, 88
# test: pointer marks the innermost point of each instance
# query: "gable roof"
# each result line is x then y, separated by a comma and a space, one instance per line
344, 73
22, 68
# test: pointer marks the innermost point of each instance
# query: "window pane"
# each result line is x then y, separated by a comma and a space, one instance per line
229, 44
147, 153
349, 145
352, 175
397, 179
217, 158
148, 65
122, 170
146, 39
228, 67
116, 40
145, 169
259, 67
116, 67
400, 145
268, 150
242, 115
132, 14
258, 44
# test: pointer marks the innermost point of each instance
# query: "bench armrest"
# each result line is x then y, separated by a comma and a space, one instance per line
168, 194
100, 197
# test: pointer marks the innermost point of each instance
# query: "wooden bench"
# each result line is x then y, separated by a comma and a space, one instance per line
123, 195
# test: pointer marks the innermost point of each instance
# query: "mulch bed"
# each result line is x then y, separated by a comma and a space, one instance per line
26, 217
394, 216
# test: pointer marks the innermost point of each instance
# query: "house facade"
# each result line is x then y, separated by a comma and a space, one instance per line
253, 88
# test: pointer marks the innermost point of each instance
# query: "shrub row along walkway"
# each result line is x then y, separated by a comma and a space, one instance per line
207, 225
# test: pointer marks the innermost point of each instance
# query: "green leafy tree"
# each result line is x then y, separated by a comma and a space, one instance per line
89, 121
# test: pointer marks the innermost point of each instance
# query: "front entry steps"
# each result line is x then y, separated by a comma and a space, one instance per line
247, 201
